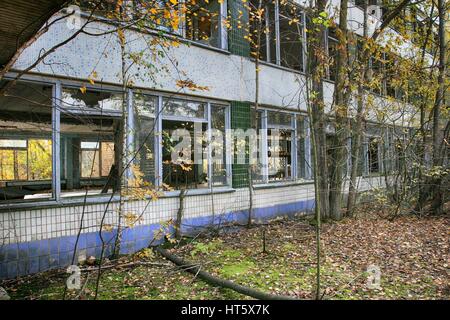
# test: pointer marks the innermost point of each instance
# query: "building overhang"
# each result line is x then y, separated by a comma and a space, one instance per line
19, 22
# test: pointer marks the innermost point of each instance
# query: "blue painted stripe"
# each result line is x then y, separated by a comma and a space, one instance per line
36, 256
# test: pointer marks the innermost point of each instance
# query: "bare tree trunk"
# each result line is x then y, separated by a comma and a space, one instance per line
438, 205
121, 133
253, 167
317, 208
357, 129
180, 214
315, 70
341, 102
316, 114
423, 148
433, 185
250, 191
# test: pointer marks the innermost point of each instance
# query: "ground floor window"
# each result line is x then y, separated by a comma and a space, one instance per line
90, 141
280, 142
283, 147
193, 144
373, 155
145, 107
62, 141
218, 143
26, 142
181, 170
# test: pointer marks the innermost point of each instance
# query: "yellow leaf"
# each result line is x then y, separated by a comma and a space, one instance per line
83, 89
166, 14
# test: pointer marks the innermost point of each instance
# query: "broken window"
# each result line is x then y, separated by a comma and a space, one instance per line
93, 102
145, 110
280, 135
218, 145
202, 21
332, 54
91, 141
184, 146
291, 35
373, 155
26, 142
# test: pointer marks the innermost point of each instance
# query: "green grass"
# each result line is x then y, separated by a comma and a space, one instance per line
287, 268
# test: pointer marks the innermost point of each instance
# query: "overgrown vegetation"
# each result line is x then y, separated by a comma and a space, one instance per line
411, 252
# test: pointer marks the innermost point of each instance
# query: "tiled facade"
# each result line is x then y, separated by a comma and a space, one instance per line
39, 240
34, 239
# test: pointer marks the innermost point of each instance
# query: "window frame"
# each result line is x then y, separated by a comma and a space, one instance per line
366, 171
52, 136
99, 151
207, 119
16, 149
181, 32
276, 20
295, 173
57, 89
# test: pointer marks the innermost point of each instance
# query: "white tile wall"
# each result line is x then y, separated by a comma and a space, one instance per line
38, 224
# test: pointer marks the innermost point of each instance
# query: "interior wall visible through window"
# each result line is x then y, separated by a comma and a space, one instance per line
280, 135
26, 142
187, 119
90, 141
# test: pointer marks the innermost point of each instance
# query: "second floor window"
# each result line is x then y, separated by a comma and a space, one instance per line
280, 31
291, 35
332, 54
202, 21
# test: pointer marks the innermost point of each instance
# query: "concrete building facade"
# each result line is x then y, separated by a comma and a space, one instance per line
59, 141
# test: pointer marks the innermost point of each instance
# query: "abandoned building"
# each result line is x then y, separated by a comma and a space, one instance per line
60, 147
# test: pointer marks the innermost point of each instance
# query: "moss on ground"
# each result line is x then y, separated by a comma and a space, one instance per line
411, 254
